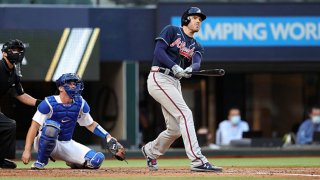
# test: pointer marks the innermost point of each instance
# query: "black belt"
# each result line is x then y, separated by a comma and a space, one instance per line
165, 71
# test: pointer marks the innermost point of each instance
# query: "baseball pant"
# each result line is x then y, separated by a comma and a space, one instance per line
178, 118
68, 151
7, 137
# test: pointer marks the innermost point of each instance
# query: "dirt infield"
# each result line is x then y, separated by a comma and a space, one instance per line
274, 172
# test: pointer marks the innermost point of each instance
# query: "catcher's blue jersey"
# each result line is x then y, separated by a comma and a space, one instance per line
181, 47
66, 115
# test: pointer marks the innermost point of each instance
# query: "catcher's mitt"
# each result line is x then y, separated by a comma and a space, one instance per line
116, 149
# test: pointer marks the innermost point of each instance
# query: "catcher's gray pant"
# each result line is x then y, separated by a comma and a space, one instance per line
178, 117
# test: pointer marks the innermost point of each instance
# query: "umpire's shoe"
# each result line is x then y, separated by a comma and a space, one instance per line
37, 165
7, 164
151, 163
207, 167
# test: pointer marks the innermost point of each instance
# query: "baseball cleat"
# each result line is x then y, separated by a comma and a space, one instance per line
207, 167
7, 164
151, 163
37, 165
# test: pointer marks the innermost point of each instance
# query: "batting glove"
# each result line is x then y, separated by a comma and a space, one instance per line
177, 71
186, 71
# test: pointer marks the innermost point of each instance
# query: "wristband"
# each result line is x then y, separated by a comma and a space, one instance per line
99, 131
38, 101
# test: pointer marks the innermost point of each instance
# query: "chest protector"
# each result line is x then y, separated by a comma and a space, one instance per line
66, 115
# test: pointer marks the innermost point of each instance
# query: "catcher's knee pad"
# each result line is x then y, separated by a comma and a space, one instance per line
48, 139
93, 159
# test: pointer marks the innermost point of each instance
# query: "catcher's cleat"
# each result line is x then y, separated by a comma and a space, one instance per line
207, 167
7, 164
37, 165
151, 163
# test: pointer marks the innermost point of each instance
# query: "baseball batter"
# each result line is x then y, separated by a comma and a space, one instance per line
176, 53
56, 119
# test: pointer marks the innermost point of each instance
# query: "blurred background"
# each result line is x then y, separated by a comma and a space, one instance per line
268, 48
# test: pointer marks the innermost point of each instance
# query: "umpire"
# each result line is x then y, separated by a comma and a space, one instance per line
12, 56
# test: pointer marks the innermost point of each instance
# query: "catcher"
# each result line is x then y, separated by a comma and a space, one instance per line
56, 119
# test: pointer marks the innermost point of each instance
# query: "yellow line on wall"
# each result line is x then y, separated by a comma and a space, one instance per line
57, 54
88, 52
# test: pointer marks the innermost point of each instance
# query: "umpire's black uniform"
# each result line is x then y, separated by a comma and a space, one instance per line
9, 84
13, 54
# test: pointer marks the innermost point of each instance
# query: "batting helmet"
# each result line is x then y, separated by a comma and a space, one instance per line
185, 20
14, 44
70, 77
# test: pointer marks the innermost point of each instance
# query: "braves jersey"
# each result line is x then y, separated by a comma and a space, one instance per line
181, 47
67, 115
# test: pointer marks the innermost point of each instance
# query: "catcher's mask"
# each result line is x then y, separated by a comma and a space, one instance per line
185, 19
15, 53
65, 81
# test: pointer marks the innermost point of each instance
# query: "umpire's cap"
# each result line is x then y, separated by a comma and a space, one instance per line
189, 12
13, 44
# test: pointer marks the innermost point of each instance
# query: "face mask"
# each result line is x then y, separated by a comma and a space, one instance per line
235, 119
15, 57
316, 119
73, 92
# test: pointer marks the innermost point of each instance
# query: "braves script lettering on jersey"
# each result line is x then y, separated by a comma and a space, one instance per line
181, 47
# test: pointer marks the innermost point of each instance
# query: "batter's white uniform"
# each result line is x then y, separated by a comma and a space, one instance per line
69, 151
178, 117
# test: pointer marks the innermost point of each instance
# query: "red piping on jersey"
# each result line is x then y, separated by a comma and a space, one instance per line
185, 121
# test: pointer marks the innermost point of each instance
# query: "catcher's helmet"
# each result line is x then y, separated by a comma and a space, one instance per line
189, 12
70, 77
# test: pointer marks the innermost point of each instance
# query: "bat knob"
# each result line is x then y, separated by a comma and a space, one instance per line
221, 72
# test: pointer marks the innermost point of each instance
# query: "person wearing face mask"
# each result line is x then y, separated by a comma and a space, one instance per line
309, 126
232, 128
12, 55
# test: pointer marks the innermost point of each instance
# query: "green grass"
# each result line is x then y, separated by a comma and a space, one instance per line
167, 163
289, 161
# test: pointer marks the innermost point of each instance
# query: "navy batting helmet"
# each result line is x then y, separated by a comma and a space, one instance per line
185, 20
71, 77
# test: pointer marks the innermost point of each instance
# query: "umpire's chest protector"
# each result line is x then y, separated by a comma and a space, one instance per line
66, 115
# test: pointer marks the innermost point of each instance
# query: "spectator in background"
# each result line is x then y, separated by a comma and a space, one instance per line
232, 128
309, 126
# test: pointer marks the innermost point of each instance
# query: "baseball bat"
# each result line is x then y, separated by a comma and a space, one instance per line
208, 72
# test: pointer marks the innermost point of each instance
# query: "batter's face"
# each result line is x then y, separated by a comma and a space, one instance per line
195, 23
